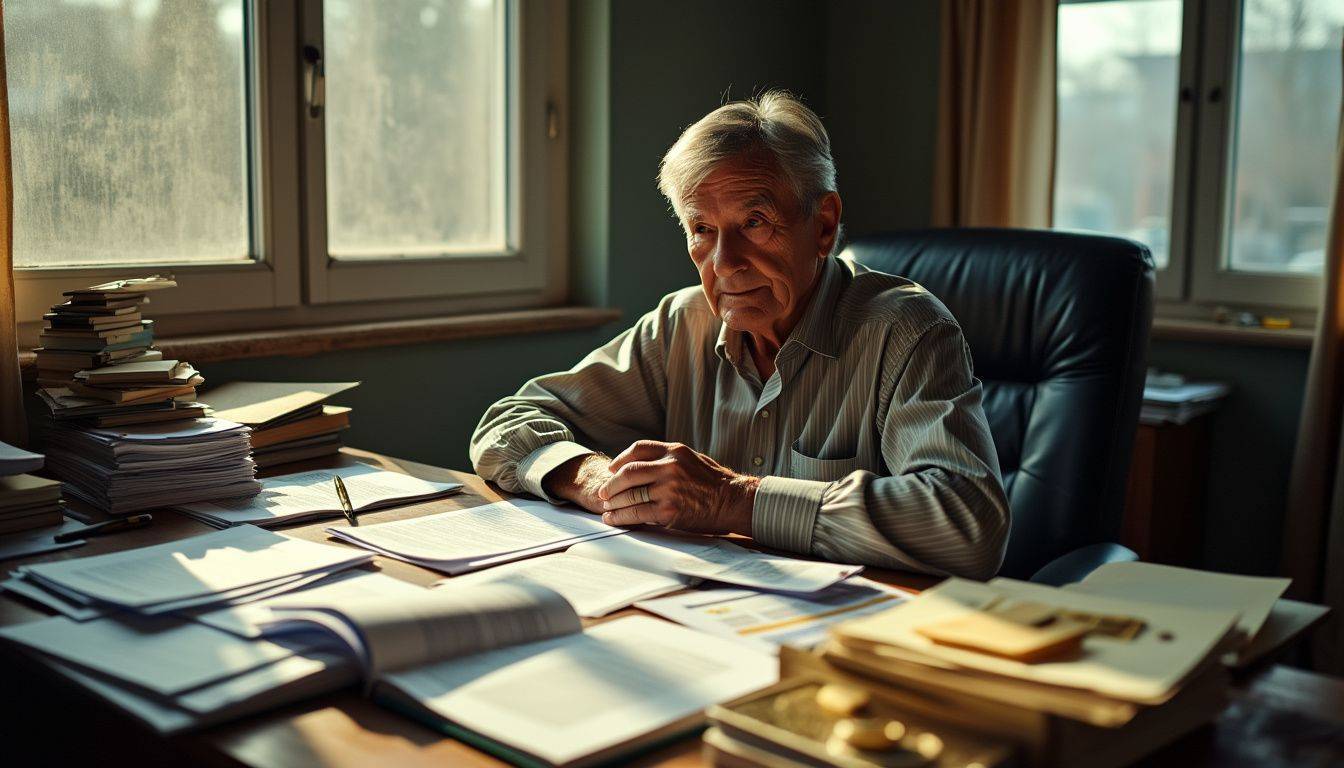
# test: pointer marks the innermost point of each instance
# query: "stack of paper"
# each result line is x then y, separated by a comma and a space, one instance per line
1146, 668
222, 568
472, 539
290, 421
1175, 401
26, 501
126, 469
1253, 598
306, 496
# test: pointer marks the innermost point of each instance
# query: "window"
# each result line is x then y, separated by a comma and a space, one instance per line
1118, 65
1203, 128
421, 92
129, 136
312, 160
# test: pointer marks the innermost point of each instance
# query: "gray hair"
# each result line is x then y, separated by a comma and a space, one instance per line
774, 125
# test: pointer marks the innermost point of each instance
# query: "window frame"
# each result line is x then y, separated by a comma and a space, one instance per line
1212, 280
290, 282
537, 215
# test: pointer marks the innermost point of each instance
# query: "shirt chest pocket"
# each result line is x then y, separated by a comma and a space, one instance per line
805, 467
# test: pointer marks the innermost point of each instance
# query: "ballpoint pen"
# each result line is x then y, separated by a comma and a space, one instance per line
345, 500
111, 526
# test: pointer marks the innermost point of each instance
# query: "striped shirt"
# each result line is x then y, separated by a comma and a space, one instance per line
869, 437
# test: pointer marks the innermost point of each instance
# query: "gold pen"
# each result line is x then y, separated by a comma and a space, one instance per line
345, 500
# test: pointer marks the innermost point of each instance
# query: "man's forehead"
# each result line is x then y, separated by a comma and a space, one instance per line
737, 186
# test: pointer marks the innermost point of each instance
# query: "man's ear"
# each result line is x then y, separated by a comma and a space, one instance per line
828, 223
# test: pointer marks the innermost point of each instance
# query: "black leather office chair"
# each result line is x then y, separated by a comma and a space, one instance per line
1058, 328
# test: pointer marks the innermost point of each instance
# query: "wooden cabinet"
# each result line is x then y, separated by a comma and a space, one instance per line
1164, 504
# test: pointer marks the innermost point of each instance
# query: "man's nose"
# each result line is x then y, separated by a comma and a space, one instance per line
729, 254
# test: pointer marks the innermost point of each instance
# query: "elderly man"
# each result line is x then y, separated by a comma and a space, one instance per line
793, 397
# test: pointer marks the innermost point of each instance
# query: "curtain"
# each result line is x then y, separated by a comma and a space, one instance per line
995, 153
13, 427
1313, 547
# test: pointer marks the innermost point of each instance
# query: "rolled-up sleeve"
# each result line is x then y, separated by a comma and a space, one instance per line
941, 509
613, 397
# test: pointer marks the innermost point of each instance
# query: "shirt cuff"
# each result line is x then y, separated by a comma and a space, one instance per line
536, 465
785, 513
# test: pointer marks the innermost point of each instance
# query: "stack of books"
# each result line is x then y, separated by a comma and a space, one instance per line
290, 421
126, 433
96, 326
26, 501
98, 367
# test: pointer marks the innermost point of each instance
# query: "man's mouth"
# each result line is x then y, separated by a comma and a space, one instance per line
742, 292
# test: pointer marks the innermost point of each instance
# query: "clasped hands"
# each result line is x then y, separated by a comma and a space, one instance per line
657, 483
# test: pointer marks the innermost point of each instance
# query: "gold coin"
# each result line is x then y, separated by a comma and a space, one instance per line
928, 745
841, 699
863, 732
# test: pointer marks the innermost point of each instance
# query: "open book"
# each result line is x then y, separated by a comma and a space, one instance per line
505, 667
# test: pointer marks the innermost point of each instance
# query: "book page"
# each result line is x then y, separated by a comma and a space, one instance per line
307, 493
572, 696
593, 587
333, 591
413, 630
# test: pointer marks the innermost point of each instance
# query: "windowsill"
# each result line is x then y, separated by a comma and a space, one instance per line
1174, 329
215, 347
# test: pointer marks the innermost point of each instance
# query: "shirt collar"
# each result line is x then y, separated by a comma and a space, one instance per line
815, 329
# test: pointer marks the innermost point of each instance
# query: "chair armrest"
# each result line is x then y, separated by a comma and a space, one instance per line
1074, 566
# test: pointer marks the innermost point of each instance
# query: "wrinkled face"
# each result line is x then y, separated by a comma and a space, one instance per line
757, 253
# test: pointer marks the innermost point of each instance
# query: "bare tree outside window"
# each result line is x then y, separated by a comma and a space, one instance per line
128, 131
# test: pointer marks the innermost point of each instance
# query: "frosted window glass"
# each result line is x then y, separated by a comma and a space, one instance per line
415, 128
128, 131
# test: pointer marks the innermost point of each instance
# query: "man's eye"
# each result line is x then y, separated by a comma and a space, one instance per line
700, 229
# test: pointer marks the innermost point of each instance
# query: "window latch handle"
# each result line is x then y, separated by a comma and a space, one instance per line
314, 81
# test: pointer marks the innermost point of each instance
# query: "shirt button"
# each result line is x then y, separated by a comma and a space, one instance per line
758, 461
765, 414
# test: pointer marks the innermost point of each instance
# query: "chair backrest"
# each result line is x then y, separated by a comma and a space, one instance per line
1058, 324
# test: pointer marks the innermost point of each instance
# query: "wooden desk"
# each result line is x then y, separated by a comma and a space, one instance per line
45, 720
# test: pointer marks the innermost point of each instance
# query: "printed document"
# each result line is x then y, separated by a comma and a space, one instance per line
716, 559
768, 620
206, 567
471, 539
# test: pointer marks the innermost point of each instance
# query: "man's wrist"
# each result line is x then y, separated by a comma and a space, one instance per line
571, 479
743, 490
